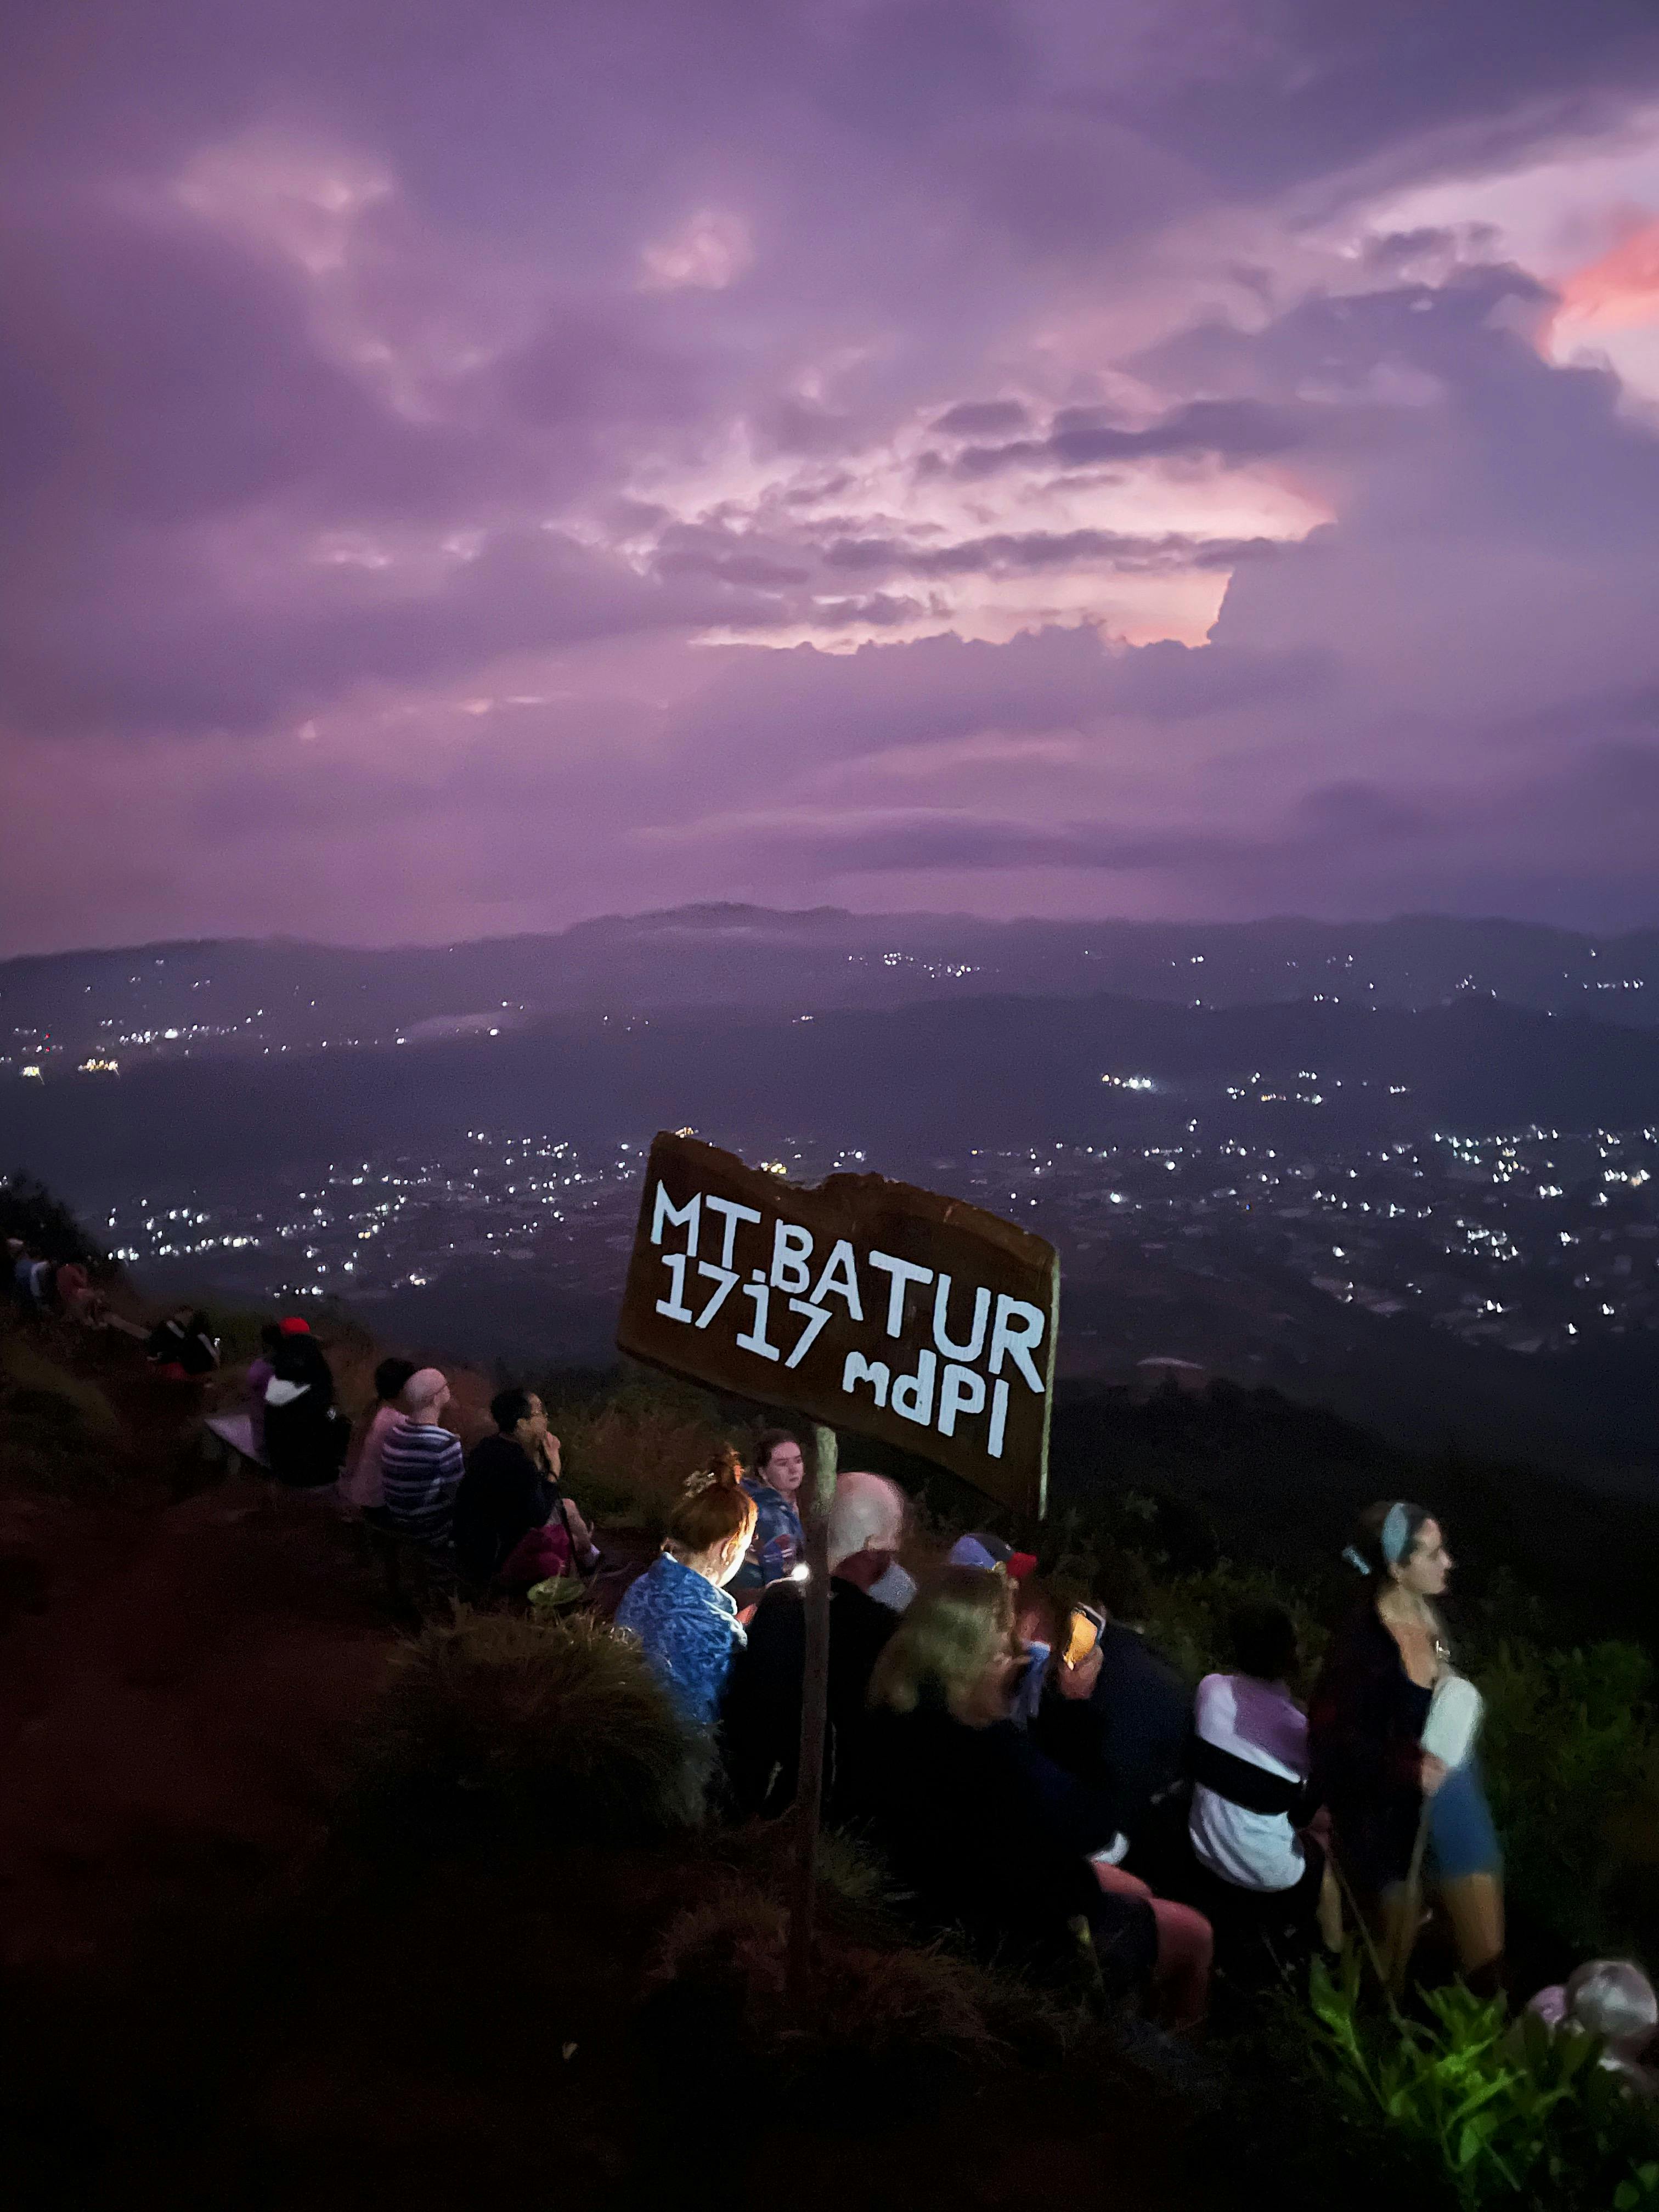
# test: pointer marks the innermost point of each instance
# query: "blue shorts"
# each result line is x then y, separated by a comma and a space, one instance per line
1461, 1838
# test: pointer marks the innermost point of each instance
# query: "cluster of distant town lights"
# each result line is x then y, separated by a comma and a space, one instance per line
577, 1218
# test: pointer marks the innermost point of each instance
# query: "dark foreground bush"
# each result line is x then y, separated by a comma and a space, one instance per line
552, 1730
1571, 1750
864, 1996
889, 2028
59, 1437
889, 2022
28, 1210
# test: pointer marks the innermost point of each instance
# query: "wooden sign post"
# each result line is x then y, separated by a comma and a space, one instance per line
911, 1317
814, 1712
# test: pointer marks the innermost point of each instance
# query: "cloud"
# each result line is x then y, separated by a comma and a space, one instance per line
710, 250
1036, 549
1197, 549
982, 418
922, 843
1329, 92
820, 706
1224, 430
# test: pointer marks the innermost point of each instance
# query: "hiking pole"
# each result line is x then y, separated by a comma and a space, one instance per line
814, 1715
1405, 1939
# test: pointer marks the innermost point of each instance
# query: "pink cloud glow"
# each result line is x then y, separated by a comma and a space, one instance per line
1053, 458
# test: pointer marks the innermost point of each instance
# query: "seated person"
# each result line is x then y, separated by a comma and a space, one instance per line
1249, 1766
259, 1372
72, 1287
31, 1277
421, 1464
990, 1552
1034, 1612
778, 1541
987, 1834
362, 1483
513, 1525
1121, 1721
761, 1717
306, 1435
180, 1349
680, 1608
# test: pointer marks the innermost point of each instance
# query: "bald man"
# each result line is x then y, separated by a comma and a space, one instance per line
760, 1719
420, 1463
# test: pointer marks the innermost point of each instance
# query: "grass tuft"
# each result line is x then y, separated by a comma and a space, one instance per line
627, 1458
725, 1959
61, 1436
552, 1730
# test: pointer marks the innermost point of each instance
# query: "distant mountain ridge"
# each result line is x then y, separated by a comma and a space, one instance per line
935, 1076
256, 997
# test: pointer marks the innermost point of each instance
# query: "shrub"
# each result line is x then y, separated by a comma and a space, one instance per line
866, 1997
861, 1929
61, 1435
1189, 1617
28, 1210
626, 1456
888, 2027
1571, 1751
1484, 2111
555, 1730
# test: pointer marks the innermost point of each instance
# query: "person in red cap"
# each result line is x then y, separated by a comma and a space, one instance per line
978, 1550
306, 1435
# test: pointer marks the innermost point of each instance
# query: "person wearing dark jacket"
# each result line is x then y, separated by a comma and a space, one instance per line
305, 1438
1366, 1720
1121, 1722
180, 1348
513, 1525
986, 1833
761, 1713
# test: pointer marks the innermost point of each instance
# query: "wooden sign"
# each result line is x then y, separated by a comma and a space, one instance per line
863, 1303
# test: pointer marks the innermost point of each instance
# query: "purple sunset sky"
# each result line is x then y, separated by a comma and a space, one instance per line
470, 465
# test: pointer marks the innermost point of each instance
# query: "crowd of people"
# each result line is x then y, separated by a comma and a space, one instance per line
497, 1517
40, 1286
1033, 1773
1039, 1779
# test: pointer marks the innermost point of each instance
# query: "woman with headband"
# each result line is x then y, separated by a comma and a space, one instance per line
1389, 1795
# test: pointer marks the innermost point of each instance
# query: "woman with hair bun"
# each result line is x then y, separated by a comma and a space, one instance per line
680, 1608
1389, 1792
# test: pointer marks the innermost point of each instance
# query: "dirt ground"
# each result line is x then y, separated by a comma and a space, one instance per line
207, 2000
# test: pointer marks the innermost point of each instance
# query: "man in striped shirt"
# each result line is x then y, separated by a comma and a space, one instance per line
421, 1464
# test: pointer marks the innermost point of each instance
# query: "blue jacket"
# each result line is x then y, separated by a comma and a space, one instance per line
690, 1632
